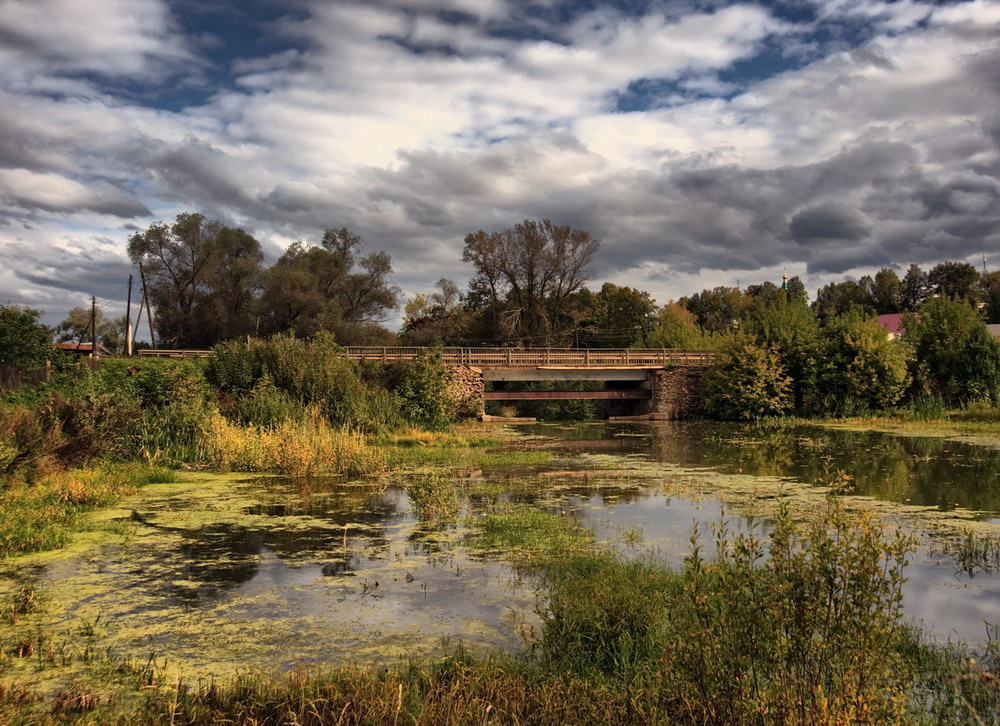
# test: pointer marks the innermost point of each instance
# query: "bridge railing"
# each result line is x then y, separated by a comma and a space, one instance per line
535, 357
509, 357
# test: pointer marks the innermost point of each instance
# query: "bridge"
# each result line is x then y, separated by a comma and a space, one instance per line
656, 382
505, 357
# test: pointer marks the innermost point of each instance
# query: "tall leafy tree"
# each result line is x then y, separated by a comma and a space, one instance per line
439, 315
202, 276
525, 277
789, 327
717, 310
329, 287
887, 292
955, 279
673, 326
615, 317
838, 298
956, 357
24, 342
916, 289
989, 292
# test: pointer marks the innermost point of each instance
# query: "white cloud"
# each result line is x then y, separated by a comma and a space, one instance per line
113, 37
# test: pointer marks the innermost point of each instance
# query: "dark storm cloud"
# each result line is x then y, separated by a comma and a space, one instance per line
78, 273
829, 223
199, 171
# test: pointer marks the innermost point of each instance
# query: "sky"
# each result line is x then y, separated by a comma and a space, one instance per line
704, 142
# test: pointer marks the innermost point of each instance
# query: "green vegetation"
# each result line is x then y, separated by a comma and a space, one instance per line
24, 341
799, 626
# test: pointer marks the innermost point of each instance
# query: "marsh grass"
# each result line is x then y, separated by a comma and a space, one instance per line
433, 497
974, 553
296, 448
44, 514
464, 447
529, 537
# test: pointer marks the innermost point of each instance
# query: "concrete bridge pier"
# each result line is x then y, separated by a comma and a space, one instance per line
663, 393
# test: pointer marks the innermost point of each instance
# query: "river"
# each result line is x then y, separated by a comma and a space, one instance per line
215, 574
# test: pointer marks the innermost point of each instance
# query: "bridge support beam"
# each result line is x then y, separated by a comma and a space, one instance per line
678, 392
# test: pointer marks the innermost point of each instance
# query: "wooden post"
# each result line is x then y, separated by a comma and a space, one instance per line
93, 325
149, 314
128, 320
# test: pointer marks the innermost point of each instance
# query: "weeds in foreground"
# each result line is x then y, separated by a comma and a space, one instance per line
799, 625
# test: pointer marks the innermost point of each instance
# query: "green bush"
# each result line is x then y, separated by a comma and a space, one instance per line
424, 391
748, 381
956, 357
860, 369
801, 626
235, 367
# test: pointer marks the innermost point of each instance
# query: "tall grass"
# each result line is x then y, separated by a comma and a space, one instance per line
291, 447
43, 514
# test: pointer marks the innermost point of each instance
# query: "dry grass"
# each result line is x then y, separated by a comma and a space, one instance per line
296, 448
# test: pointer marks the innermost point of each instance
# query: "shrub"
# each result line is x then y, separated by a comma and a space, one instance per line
748, 381
861, 370
424, 391
956, 356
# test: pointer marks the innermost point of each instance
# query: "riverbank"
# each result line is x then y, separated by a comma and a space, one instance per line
616, 640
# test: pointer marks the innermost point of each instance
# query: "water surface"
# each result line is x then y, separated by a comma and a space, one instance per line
219, 574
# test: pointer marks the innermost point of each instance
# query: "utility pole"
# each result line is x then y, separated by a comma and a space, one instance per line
128, 320
149, 314
93, 325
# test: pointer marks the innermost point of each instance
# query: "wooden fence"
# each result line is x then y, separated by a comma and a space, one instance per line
12, 377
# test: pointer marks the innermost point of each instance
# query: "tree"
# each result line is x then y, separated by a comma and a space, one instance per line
716, 310
861, 370
791, 328
673, 326
916, 289
838, 298
24, 342
989, 287
312, 288
956, 358
435, 316
955, 279
525, 276
202, 276
76, 328
748, 381
615, 317
887, 292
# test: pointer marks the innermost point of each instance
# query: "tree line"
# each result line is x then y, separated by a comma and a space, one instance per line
208, 284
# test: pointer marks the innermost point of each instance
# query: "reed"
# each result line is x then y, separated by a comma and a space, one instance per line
296, 448
43, 514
